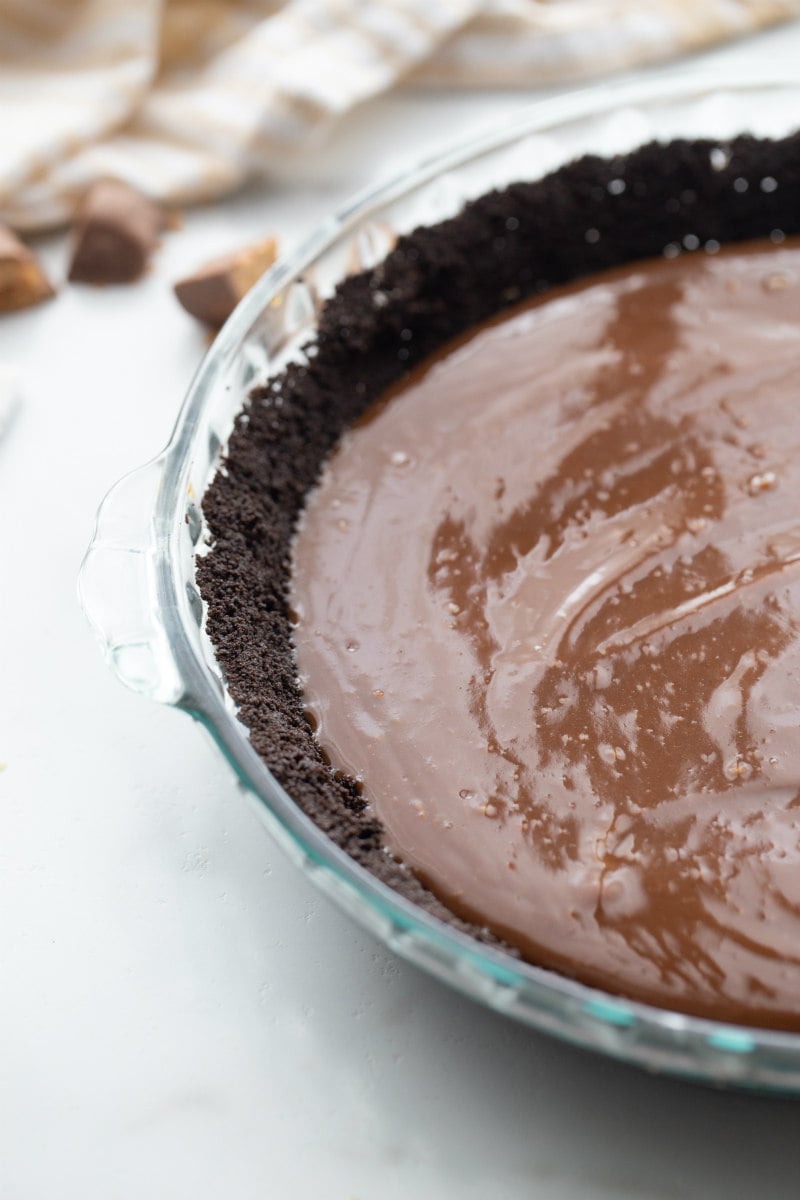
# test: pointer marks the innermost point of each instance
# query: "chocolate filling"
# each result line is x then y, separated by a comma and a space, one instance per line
437, 283
569, 679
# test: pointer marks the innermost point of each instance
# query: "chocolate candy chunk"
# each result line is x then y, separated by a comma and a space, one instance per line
22, 281
212, 293
116, 231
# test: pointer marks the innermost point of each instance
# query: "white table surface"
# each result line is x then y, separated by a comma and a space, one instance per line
181, 1014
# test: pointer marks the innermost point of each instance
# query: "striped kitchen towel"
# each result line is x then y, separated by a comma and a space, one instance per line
187, 98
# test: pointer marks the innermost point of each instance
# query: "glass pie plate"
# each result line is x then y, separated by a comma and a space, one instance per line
138, 579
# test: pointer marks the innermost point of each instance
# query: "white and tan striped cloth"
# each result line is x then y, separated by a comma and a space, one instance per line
186, 98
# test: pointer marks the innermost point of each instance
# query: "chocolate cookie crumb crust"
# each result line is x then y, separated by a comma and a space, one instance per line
437, 283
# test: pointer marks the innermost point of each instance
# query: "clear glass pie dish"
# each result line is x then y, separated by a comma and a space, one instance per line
139, 590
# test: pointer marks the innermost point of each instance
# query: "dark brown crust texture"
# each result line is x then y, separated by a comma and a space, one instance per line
437, 282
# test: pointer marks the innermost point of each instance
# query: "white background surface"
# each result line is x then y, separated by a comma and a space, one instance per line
181, 1015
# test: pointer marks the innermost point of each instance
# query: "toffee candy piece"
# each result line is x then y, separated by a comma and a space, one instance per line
212, 293
22, 281
116, 231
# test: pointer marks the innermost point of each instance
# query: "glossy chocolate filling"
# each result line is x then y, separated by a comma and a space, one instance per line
548, 603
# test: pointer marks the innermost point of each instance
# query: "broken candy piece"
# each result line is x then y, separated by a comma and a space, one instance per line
22, 281
116, 231
212, 292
